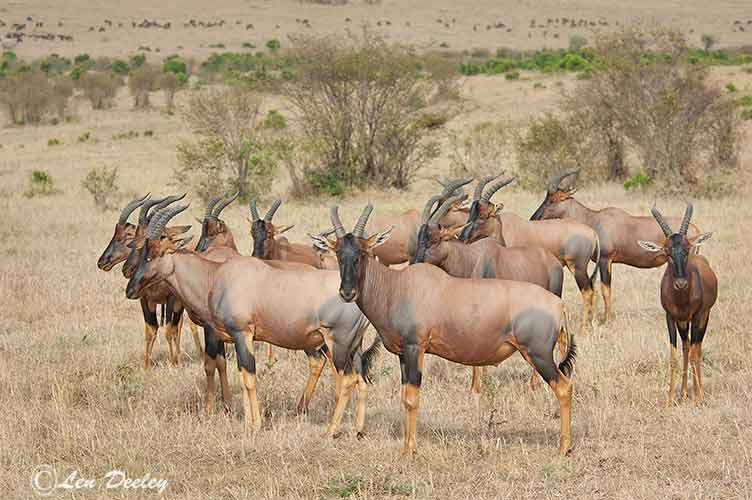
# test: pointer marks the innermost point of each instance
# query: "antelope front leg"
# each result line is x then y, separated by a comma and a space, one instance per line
151, 326
316, 363
214, 359
672, 361
247, 374
695, 353
685, 358
412, 374
347, 382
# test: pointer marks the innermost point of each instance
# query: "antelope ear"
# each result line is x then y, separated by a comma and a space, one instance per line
322, 243
465, 205
497, 209
379, 238
455, 232
701, 239
285, 228
650, 246
175, 245
176, 230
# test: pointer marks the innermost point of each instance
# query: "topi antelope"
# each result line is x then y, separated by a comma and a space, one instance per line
404, 228
245, 299
118, 250
618, 232
268, 245
214, 231
689, 289
573, 243
421, 309
486, 258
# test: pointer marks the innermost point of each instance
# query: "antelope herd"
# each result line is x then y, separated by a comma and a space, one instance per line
481, 285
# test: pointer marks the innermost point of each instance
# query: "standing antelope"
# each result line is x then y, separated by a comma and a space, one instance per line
118, 250
486, 258
573, 243
689, 289
244, 299
618, 232
421, 309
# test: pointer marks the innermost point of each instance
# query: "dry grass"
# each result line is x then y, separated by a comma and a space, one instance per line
73, 394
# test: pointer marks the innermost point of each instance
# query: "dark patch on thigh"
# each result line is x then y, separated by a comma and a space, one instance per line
536, 333
555, 280
578, 248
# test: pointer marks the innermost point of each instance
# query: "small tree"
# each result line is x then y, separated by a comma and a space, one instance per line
100, 88
26, 96
231, 152
62, 91
102, 185
143, 80
479, 151
171, 83
359, 99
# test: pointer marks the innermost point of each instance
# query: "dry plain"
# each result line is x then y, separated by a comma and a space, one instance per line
73, 393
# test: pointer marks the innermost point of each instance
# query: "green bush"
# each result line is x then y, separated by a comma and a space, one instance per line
86, 137
175, 64
745, 100
273, 44
574, 62
512, 75
136, 61
249, 45
120, 67
41, 184
730, 87
640, 180
54, 142
325, 181
82, 59
102, 185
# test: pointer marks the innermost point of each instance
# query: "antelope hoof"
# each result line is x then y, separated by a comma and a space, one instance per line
409, 453
360, 435
302, 409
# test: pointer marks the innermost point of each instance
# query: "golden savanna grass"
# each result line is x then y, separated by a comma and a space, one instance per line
73, 393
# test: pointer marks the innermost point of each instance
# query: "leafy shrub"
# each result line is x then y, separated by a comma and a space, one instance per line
216, 45
730, 87
273, 44
86, 137
232, 151
81, 59
41, 184
131, 134
746, 114
26, 96
171, 83
363, 130
136, 61
640, 180
325, 181
120, 67
512, 75
102, 185
176, 65
745, 100
100, 88
249, 45
54, 142
142, 81
148, 133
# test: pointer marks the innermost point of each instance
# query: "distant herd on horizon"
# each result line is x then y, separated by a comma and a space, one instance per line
481, 284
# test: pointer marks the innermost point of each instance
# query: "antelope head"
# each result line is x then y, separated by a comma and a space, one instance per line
431, 234
152, 267
676, 247
148, 209
457, 212
117, 250
482, 210
556, 204
352, 250
263, 231
213, 229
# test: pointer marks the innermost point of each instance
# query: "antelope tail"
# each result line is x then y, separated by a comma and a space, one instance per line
368, 356
597, 260
566, 366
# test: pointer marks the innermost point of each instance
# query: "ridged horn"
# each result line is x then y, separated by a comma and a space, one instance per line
687, 217
221, 205
339, 230
254, 210
143, 218
429, 207
555, 182
667, 231
444, 208
210, 207
482, 184
164, 203
495, 187
453, 187
130, 207
272, 210
360, 226
160, 220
